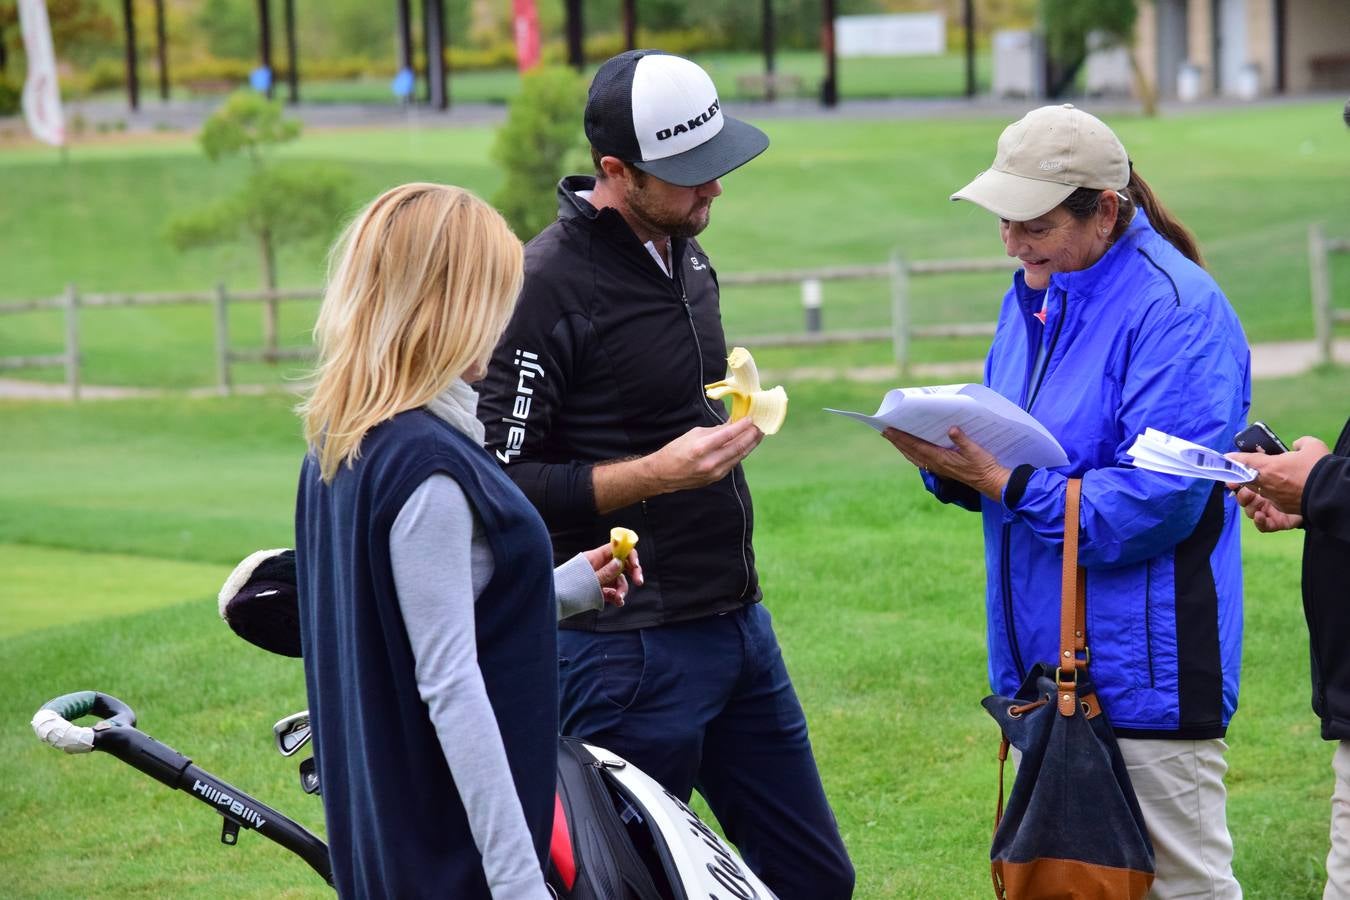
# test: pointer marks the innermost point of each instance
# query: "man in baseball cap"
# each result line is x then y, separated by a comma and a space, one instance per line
594, 405
661, 114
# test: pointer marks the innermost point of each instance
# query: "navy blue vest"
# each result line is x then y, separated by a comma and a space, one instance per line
396, 825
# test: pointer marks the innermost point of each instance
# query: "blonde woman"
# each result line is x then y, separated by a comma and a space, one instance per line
427, 594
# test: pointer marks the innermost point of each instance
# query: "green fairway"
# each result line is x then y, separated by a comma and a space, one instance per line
45, 586
1248, 181
875, 588
203, 481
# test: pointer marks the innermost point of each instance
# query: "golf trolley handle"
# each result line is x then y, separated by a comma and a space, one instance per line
117, 735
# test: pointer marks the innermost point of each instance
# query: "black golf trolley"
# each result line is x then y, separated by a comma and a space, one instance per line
617, 834
116, 734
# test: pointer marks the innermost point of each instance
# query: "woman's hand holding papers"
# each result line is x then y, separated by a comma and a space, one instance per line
967, 462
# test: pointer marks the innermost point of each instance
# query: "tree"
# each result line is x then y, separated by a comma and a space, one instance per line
275, 205
542, 129
230, 28
1067, 26
80, 29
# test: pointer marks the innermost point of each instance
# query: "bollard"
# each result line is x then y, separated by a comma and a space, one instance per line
72, 299
222, 308
812, 297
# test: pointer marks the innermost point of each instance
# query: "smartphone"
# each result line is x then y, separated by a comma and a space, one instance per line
1258, 435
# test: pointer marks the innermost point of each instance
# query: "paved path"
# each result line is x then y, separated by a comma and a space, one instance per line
1271, 360
19, 389
187, 115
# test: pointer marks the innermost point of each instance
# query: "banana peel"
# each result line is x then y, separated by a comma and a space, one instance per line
767, 409
622, 541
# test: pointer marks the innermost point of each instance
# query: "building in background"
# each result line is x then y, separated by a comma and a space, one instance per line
1244, 48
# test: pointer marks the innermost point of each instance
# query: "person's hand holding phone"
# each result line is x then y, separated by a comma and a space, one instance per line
1280, 476
1258, 438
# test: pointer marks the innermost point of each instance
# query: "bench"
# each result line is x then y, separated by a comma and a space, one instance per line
1330, 71
212, 85
762, 84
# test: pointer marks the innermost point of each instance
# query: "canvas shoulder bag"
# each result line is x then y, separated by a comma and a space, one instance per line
1072, 829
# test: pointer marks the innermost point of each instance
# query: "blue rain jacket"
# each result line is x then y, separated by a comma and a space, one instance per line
1144, 338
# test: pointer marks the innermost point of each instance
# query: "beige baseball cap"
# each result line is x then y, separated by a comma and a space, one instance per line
1044, 157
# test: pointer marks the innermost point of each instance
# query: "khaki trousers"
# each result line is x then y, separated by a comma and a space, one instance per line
1179, 785
1181, 793
1338, 860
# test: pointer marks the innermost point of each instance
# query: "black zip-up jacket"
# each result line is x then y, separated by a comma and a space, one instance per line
605, 359
1326, 586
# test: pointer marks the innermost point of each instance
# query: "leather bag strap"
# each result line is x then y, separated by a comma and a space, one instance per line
1073, 607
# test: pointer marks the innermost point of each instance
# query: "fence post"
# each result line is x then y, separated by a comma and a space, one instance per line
222, 308
900, 311
1321, 291
812, 297
73, 342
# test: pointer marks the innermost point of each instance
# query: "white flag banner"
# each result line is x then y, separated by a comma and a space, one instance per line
41, 92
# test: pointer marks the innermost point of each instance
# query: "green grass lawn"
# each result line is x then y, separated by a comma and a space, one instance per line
118, 521
92, 585
1248, 181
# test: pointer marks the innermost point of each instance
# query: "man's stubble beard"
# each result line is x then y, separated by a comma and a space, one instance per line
658, 221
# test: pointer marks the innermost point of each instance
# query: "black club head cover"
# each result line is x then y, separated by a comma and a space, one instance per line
259, 601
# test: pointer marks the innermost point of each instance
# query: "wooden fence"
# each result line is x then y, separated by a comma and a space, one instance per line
897, 271
72, 302
1325, 315
70, 356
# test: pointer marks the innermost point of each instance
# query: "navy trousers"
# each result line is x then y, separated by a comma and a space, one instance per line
708, 704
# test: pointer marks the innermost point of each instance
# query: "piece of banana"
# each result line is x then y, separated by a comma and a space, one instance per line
621, 541
767, 409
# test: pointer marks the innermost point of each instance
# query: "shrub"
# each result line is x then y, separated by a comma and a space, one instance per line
10, 97
105, 75
542, 129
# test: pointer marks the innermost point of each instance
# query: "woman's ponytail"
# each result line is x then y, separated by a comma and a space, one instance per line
1140, 194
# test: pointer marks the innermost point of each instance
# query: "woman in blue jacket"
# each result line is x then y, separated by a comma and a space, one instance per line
1113, 326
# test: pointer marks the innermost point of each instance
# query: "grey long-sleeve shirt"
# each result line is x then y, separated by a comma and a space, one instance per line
442, 562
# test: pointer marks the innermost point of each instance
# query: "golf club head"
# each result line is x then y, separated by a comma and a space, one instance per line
292, 733
309, 776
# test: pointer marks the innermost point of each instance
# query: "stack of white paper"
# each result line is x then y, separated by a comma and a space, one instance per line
987, 417
1159, 452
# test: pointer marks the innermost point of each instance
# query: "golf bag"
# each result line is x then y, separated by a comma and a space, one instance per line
618, 834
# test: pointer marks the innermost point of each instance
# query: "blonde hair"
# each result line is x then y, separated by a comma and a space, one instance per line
420, 286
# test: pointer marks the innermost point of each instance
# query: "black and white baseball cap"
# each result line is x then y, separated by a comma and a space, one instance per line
660, 113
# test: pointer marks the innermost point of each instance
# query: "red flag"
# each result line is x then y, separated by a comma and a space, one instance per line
526, 21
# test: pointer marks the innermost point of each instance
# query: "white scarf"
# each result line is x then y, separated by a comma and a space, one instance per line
457, 405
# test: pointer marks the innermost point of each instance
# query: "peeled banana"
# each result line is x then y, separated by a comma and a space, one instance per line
767, 409
621, 541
